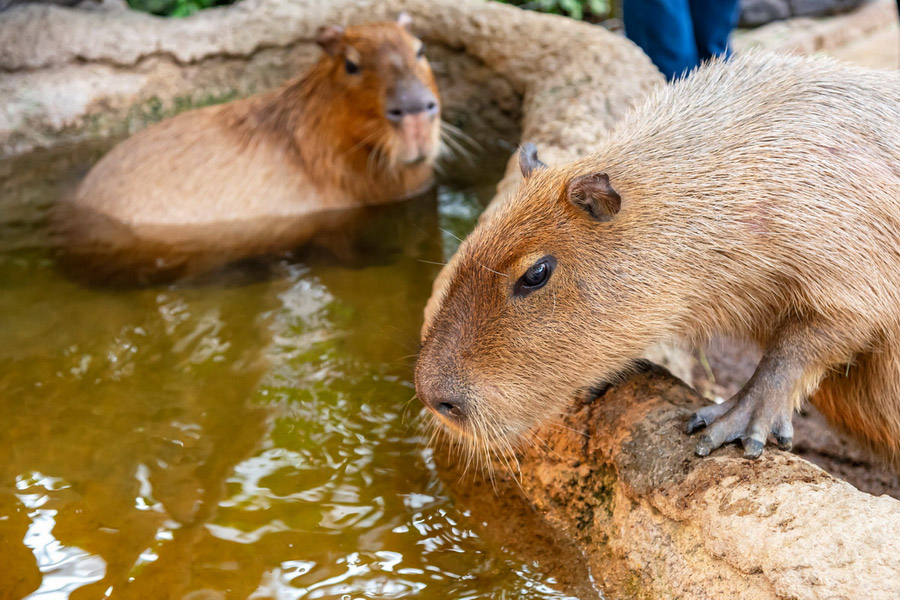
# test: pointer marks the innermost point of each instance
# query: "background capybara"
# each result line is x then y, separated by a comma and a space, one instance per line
759, 197
361, 127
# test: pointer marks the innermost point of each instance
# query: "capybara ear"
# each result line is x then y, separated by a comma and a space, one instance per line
594, 194
404, 20
528, 159
329, 38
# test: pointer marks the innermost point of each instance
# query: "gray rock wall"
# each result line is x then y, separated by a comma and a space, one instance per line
760, 12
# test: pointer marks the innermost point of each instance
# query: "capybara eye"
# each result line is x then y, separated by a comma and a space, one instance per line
421, 51
351, 67
536, 276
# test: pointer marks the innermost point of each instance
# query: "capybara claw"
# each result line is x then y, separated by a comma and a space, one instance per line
695, 423
706, 416
784, 442
704, 446
783, 432
753, 448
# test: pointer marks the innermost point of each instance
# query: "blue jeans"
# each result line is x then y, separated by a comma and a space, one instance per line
678, 35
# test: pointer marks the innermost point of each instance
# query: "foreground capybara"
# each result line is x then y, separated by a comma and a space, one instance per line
758, 197
362, 126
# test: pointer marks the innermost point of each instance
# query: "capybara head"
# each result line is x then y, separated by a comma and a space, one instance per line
391, 103
544, 301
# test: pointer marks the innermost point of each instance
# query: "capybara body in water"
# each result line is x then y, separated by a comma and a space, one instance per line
362, 126
758, 197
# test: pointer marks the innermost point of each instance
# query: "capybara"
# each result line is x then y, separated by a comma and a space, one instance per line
758, 197
362, 126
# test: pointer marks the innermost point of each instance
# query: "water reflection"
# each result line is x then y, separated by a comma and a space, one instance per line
63, 568
234, 438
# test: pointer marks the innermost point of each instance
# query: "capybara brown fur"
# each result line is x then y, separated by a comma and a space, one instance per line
758, 197
361, 127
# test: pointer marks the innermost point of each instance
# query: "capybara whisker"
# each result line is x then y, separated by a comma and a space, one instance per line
456, 133
431, 262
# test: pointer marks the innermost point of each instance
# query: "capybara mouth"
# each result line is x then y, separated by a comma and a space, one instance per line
418, 160
487, 430
449, 413
453, 425
416, 134
414, 153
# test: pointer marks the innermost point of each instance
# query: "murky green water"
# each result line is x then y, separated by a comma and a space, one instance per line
250, 436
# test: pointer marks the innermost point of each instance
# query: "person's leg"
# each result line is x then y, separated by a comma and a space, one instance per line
662, 28
713, 21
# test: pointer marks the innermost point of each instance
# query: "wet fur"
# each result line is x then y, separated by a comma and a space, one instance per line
759, 198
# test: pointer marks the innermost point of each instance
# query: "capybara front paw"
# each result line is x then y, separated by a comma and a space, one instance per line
745, 419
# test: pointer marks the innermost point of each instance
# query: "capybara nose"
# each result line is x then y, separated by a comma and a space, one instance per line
411, 100
449, 407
